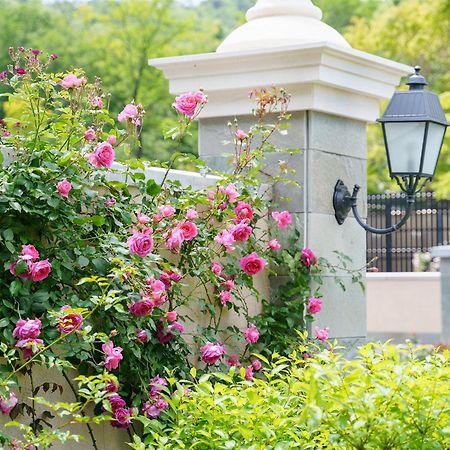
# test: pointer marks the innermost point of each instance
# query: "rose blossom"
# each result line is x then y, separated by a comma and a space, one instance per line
71, 81
251, 334
189, 230
113, 355
121, 418
226, 239
283, 218
27, 329
116, 402
141, 335
141, 308
175, 240
156, 385
29, 253
191, 214
112, 386
256, 364
241, 135
89, 135
230, 191
314, 305
29, 346
321, 333
7, 404
151, 410
233, 360
225, 297
241, 232
40, 270
249, 373
142, 218
3, 74
25, 275
110, 202
216, 268
130, 112
167, 210
308, 258
171, 316
102, 156
97, 102
212, 352
112, 139
141, 243
228, 284
187, 103
274, 245
69, 322
161, 404
252, 264
243, 211
20, 71
64, 187
157, 286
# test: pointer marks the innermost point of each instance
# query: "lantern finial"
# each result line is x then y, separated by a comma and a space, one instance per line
417, 81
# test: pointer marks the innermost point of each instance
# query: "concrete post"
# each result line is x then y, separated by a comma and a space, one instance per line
443, 252
335, 91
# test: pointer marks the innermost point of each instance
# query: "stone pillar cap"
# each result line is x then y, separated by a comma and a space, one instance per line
276, 23
443, 251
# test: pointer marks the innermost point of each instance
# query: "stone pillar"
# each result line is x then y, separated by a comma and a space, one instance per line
335, 91
443, 252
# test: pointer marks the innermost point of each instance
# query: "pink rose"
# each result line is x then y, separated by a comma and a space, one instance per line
241, 232
142, 218
121, 418
216, 268
112, 386
171, 316
175, 240
69, 322
97, 102
252, 264
243, 211
29, 253
314, 305
256, 364
20, 71
187, 103
40, 270
141, 308
141, 335
189, 230
110, 202
226, 239
24, 275
151, 410
167, 210
321, 333
29, 346
251, 334
141, 243
102, 156
233, 360
113, 355
130, 112
191, 214
282, 218
116, 401
225, 296
27, 329
89, 134
71, 81
157, 286
64, 187
274, 245
241, 135
212, 352
112, 139
230, 191
308, 258
156, 385
228, 284
249, 373
7, 404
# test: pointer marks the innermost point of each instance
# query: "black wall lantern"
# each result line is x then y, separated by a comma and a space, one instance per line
414, 126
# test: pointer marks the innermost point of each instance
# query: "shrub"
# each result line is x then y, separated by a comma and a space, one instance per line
387, 398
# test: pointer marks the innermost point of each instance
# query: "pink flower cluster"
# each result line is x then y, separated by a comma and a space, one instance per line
283, 218
165, 332
113, 355
27, 332
183, 231
70, 320
131, 113
121, 414
226, 283
190, 103
34, 270
72, 82
154, 296
211, 352
7, 403
156, 403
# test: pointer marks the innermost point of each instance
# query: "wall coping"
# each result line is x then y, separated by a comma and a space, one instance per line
321, 76
442, 251
402, 276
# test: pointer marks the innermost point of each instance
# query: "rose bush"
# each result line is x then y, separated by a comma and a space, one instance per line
103, 266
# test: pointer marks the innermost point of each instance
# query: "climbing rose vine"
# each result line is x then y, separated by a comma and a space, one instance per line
122, 274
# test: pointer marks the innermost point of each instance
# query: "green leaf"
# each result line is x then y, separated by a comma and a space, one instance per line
153, 188
83, 261
8, 234
4, 322
15, 287
98, 221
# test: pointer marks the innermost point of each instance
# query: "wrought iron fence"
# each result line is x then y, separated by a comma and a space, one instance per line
428, 226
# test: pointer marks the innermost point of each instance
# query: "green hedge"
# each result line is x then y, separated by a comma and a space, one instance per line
387, 398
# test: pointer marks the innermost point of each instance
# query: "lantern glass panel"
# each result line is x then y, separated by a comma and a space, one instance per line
404, 144
434, 143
